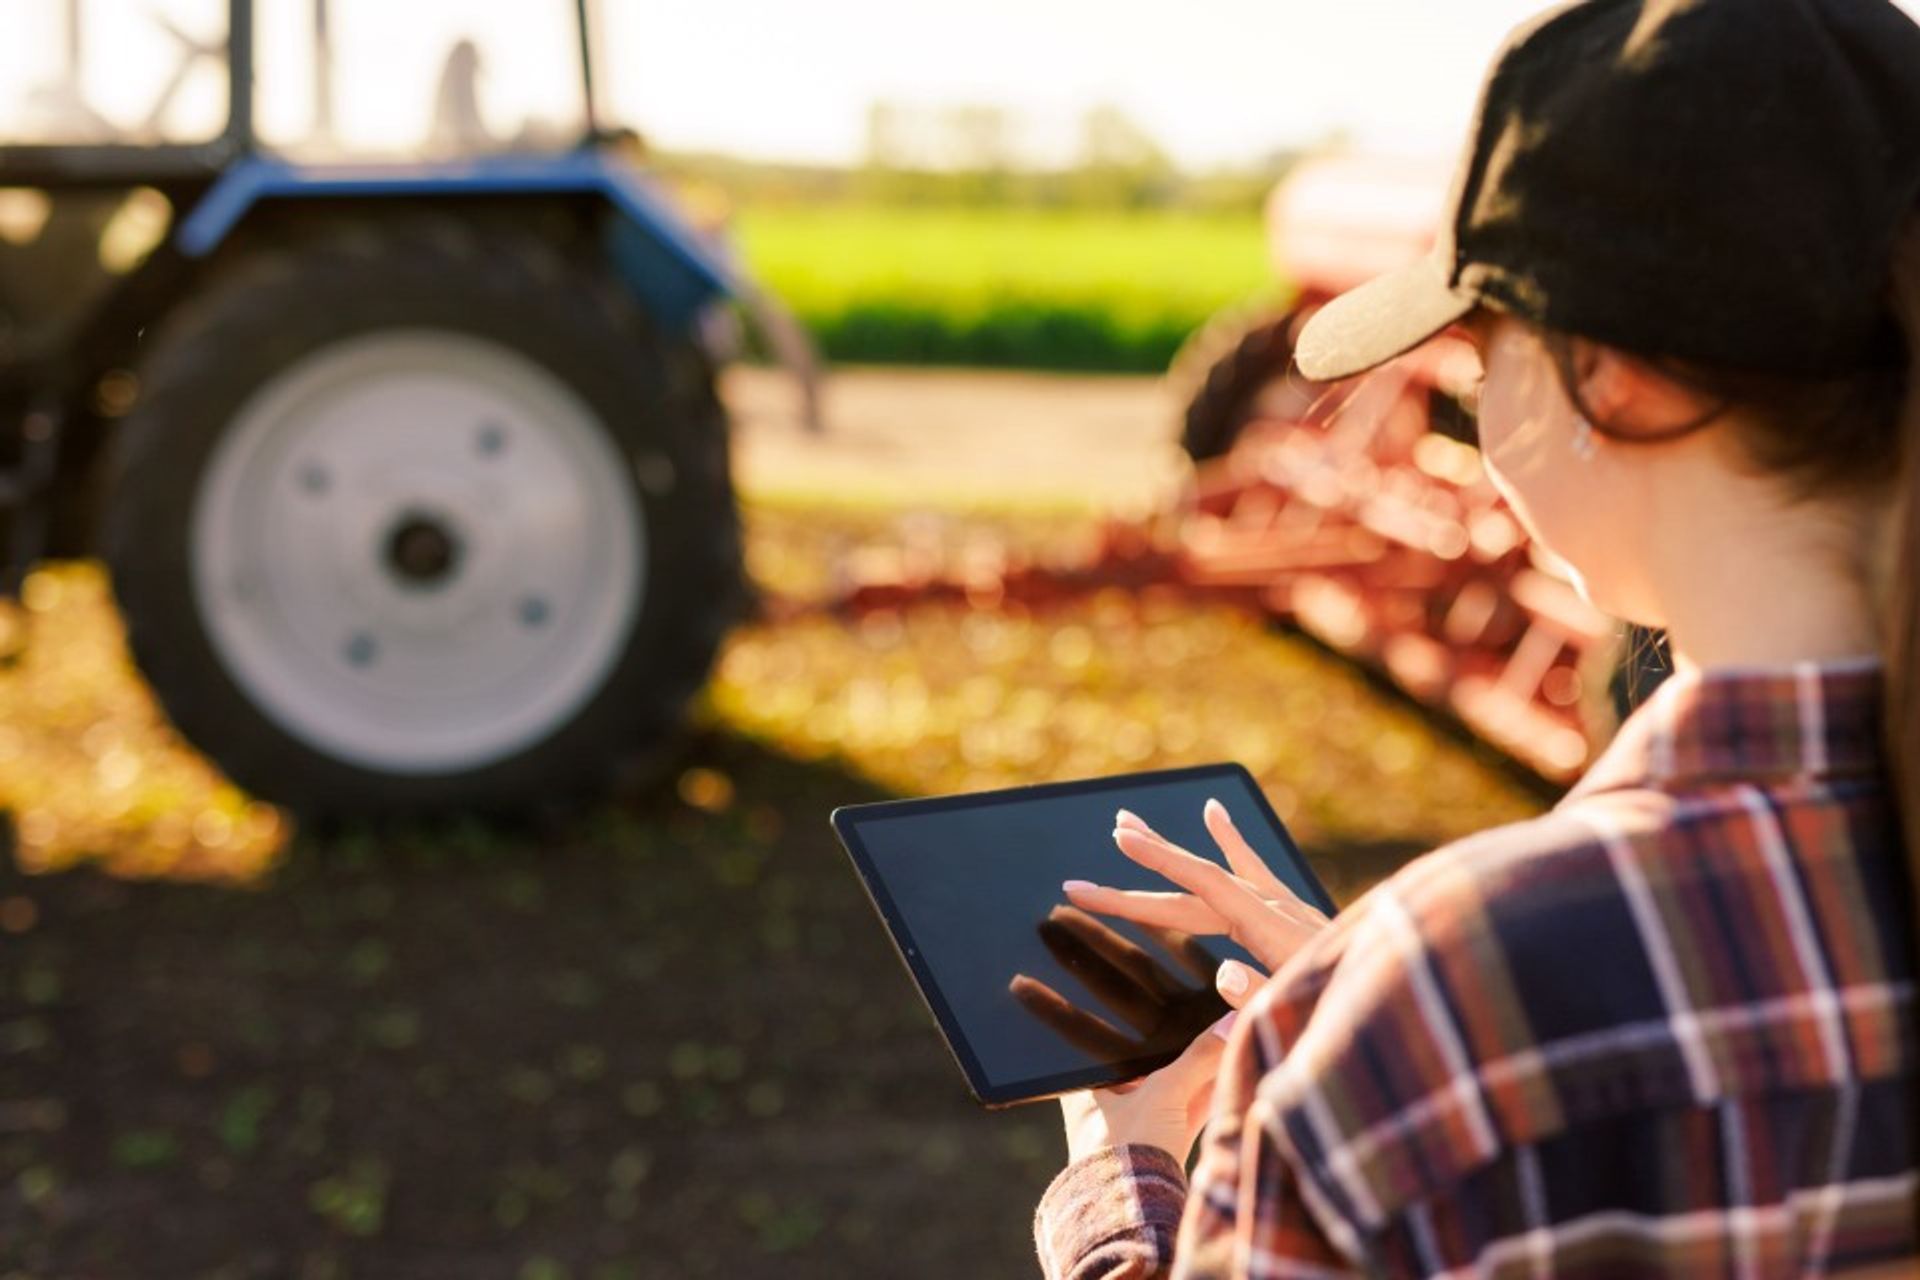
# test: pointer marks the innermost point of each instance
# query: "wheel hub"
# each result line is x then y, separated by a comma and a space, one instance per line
418, 551
421, 551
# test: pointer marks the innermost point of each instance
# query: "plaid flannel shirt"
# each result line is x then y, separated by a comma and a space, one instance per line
1666, 1028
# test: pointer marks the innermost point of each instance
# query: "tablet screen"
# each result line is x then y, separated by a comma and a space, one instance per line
1034, 996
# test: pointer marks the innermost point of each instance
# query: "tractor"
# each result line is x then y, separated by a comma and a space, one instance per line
381, 377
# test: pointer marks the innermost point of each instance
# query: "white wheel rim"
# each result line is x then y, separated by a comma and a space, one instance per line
387, 647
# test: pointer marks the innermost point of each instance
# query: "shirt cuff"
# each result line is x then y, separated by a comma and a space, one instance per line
1112, 1213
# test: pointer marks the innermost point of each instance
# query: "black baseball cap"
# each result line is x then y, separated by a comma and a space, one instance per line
1715, 180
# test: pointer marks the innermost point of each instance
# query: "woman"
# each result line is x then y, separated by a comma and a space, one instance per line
1668, 1027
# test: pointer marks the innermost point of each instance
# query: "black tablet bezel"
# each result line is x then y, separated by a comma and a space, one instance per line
846, 821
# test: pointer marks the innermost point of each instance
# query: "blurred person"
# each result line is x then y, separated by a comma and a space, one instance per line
459, 127
1666, 1028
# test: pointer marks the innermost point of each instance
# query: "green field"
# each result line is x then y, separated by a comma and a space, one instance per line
1027, 288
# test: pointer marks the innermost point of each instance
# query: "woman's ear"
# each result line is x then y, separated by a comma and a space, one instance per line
1623, 392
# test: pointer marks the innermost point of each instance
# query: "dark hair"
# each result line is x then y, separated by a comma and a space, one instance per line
1901, 593
1900, 568
1854, 434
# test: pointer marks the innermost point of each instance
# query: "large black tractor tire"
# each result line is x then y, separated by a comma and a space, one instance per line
1226, 371
503, 305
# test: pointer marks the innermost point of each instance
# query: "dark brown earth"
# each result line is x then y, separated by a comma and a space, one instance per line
655, 1043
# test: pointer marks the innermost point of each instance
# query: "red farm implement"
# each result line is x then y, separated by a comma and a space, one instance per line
1357, 512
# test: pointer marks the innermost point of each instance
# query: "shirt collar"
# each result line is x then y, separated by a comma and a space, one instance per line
1808, 719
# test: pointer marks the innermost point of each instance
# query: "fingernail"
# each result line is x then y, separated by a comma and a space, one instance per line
1225, 1025
1077, 886
1122, 817
1214, 806
1231, 978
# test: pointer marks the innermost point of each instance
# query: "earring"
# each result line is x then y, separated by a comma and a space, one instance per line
1582, 439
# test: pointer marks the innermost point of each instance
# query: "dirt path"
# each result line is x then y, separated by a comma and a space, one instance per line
940, 435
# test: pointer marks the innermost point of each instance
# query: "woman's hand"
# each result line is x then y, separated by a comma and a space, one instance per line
1248, 904
1165, 1109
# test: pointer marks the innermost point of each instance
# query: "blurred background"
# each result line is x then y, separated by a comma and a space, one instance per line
479, 482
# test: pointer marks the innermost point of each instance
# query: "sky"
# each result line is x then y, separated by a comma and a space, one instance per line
1215, 82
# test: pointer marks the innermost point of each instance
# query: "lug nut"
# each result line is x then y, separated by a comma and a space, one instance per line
362, 649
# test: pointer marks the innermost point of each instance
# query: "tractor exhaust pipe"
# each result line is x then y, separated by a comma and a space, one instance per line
322, 72
584, 10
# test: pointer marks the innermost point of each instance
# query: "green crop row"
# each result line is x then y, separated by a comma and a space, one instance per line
1030, 288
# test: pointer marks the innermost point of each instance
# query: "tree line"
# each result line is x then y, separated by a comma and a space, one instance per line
977, 155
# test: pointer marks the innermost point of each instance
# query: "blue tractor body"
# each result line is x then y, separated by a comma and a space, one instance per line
660, 258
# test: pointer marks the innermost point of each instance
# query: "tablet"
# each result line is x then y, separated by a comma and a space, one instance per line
1035, 997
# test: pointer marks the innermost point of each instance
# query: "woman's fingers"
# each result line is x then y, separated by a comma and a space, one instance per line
1193, 1071
1249, 866
1251, 922
1240, 855
1236, 982
1201, 876
1270, 932
1180, 911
